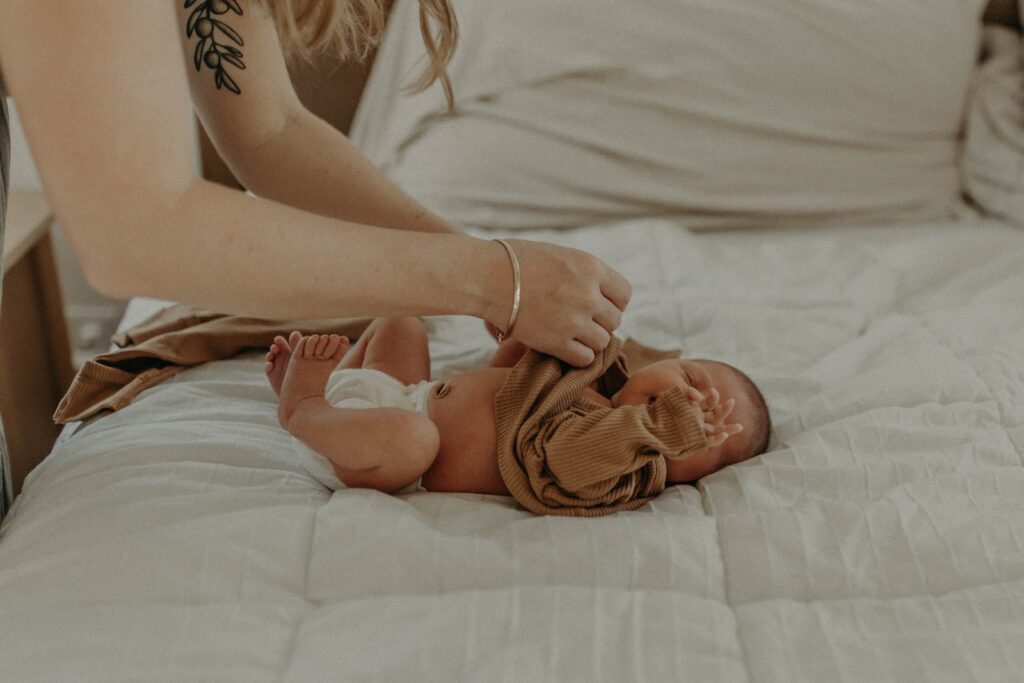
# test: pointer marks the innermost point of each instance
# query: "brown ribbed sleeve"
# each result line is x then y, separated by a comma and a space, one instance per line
604, 444
561, 454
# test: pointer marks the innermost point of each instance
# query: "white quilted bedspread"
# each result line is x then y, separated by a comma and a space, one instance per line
881, 539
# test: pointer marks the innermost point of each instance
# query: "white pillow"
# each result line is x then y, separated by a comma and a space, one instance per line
994, 147
724, 113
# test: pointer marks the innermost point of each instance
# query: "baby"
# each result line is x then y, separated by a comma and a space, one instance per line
381, 423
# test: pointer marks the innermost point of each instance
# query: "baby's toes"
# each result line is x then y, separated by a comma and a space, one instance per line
311, 342
321, 347
343, 346
333, 342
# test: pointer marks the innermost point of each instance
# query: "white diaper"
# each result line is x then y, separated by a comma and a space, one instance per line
362, 388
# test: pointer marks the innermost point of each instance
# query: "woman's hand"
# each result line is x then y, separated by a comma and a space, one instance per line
571, 301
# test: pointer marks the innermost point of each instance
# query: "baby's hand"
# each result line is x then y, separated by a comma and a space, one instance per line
712, 414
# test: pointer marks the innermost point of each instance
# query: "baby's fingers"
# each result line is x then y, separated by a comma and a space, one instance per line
698, 413
712, 400
716, 440
722, 411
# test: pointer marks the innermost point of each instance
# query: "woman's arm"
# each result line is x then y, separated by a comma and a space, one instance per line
272, 143
102, 90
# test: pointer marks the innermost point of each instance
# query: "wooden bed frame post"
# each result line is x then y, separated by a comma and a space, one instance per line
35, 353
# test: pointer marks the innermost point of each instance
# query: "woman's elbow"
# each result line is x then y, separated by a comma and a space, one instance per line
100, 257
111, 241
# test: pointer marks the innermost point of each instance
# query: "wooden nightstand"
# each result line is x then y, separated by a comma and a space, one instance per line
35, 355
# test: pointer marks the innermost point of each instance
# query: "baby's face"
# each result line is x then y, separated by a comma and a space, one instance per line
645, 386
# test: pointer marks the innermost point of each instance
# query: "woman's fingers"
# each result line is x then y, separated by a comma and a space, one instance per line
617, 290
570, 301
609, 317
595, 337
576, 353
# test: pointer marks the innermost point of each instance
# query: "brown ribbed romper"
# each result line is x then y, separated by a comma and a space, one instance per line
561, 454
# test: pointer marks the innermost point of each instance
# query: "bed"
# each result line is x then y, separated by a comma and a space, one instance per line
881, 538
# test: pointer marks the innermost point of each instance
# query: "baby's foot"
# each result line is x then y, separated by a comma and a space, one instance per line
313, 358
278, 355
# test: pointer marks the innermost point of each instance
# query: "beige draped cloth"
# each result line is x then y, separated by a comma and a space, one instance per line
174, 339
561, 454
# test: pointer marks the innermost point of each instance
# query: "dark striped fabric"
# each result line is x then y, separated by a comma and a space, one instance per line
5, 169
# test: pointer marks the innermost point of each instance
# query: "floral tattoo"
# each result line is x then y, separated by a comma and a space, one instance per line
216, 55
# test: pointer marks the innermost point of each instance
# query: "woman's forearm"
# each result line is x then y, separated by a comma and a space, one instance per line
311, 165
297, 264
111, 139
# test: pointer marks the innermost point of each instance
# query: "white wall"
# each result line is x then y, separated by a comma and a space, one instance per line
23, 170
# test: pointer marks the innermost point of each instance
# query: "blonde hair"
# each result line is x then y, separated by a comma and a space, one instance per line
351, 29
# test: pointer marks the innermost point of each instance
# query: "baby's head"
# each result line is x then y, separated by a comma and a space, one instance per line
647, 384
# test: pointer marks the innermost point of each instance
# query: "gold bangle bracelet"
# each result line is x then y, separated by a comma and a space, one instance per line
517, 279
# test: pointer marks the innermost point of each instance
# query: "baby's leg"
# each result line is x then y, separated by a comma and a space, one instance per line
397, 346
381, 448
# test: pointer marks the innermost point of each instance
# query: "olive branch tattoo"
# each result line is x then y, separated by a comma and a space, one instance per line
204, 24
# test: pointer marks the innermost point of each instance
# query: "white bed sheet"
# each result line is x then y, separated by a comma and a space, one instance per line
881, 539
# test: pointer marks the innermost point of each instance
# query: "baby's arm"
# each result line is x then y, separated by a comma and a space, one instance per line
508, 354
